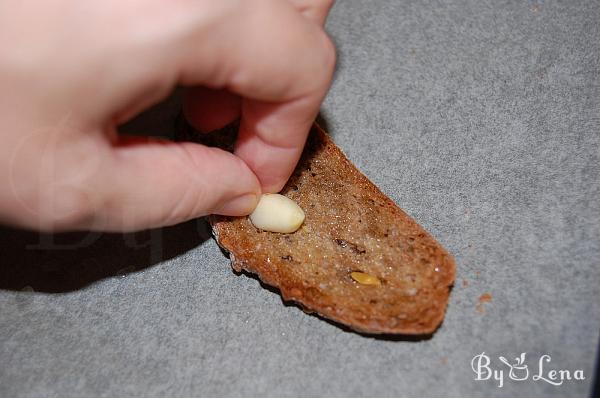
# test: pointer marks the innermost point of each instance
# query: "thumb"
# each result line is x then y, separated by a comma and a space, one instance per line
156, 183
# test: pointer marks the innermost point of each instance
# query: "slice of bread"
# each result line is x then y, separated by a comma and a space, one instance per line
350, 226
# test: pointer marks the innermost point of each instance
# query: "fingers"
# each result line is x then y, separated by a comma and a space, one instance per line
281, 63
274, 128
139, 183
272, 137
126, 58
315, 10
150, 184
208, 110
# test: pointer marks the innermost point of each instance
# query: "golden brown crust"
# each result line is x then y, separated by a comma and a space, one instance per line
350, 226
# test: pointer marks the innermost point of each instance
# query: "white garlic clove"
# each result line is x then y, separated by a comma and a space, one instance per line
277, 213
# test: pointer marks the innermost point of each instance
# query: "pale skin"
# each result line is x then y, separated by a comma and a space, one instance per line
71, 71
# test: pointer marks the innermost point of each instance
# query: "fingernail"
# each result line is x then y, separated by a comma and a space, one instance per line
238, 206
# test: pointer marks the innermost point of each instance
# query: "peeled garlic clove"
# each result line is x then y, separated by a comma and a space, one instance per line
277, 213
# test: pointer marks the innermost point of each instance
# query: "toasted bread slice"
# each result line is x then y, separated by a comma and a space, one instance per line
350, 226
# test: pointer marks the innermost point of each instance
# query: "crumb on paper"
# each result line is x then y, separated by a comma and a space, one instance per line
484, 298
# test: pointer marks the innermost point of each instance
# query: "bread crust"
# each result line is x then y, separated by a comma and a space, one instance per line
350, 226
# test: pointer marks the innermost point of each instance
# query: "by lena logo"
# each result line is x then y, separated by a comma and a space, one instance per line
519, 370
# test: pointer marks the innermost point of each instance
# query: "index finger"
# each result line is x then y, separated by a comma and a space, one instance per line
272, 137
281, 64
274, 128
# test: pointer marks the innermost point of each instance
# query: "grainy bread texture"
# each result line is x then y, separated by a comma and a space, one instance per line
350, 226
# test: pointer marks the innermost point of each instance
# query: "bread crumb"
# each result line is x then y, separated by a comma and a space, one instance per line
484, 298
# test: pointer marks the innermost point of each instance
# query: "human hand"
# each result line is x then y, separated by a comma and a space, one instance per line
72, 71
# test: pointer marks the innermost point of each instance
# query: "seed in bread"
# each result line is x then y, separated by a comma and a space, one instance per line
365, 279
